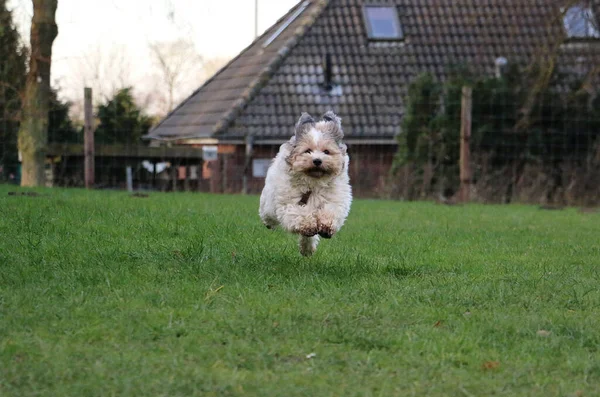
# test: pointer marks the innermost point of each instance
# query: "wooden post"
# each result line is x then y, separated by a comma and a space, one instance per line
154, 175
129, 178
247, 164
224, 167
174, 171
465, 138
186, 181
88, 138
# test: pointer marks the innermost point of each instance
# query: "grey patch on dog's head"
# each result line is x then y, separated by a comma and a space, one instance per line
304, 124
332, 117
333, 126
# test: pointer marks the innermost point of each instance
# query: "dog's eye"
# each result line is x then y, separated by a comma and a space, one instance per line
308, 151
326, 151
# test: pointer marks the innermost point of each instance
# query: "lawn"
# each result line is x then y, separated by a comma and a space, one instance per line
105, 294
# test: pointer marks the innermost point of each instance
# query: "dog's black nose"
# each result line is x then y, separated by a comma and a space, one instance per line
317, 162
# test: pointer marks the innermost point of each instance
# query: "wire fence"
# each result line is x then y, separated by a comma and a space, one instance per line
547, 153
527, 144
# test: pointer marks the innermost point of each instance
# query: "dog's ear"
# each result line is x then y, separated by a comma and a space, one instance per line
334, 124
343, 148
304, 124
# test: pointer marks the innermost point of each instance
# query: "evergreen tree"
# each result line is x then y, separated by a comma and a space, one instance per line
60, 125
13, 61
121, 120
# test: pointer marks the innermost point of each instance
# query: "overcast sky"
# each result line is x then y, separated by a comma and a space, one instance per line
94, 31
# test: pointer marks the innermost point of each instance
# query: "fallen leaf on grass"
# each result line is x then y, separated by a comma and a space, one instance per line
19, 358
438, 324
543, 333
212, 292
218, 364
490, 365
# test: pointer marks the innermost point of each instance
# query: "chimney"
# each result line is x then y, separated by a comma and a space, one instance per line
327, 72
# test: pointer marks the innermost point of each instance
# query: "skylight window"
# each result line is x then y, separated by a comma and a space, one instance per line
383, 23
580, 23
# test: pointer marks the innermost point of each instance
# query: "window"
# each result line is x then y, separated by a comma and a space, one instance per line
260, 167
580, 23
383, 23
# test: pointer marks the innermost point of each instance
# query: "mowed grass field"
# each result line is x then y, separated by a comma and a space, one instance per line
105, 294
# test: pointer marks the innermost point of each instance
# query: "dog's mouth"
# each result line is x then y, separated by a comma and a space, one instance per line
316, 172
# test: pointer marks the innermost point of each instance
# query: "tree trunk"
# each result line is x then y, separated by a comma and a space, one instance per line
33, 134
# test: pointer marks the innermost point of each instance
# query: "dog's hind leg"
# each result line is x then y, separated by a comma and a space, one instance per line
308, 245
270, 223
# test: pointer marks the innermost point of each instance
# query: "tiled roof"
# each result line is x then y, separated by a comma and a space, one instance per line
218, 101
263, 91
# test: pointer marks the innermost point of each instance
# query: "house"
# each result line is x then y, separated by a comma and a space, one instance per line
357, 57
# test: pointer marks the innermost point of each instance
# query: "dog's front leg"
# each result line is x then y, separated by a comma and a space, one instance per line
297, 219
330, 219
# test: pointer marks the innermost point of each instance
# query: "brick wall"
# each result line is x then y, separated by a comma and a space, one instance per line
369, 168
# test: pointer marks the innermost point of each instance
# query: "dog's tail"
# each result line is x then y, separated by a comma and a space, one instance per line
308, 245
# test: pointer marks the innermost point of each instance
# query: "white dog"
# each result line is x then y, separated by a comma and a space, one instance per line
307, 189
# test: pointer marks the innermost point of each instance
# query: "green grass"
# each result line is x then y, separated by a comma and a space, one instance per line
103, 294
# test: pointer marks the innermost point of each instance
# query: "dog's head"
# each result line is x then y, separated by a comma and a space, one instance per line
318, 150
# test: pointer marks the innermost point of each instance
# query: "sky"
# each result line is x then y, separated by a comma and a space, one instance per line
105, 43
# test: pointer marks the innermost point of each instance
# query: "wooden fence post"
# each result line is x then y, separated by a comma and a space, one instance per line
129, 178
224, 167
247, 164
465, 138
88, 138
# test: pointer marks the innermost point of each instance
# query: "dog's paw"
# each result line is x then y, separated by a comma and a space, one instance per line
325, 225
308, 227
269, 223
326, 231
325, 234
308, 232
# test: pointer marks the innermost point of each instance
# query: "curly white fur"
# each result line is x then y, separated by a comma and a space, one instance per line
307, 189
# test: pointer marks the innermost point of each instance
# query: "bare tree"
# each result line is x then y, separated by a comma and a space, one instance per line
105, 70
33, 133
178, 63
